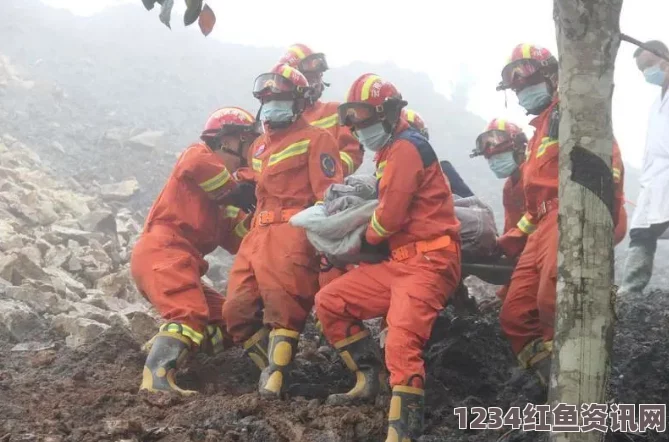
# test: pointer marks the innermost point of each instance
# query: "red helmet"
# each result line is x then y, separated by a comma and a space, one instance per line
229, 121
500, 136
416, 121
529, 64
369, 100
302, 58
281, 82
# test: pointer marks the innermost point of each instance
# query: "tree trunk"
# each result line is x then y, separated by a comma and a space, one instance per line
588, 37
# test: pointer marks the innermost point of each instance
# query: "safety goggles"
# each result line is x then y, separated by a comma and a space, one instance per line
521, 73
492, 142
313, 64
272, 84
232, 129
358, 114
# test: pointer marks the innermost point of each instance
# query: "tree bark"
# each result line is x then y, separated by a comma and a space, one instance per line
588, 37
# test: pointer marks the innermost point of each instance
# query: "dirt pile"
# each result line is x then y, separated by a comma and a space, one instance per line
64, 254
89, 393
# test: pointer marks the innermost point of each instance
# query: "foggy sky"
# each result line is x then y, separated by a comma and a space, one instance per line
418, 36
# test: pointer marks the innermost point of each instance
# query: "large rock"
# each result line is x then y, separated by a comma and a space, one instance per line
57, 256
19, 321
16, 267
148, 139
62, 281
67, 233
122, 191
117, 285
79, 331
68, 202
39, 301
102, 221
142, 325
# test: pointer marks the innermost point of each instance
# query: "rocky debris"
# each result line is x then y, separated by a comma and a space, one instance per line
147, 139
64, 256
122, 191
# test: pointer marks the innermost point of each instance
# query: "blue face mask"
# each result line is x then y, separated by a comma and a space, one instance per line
503, 164
655, 75
534, 98
373, 137
277, 111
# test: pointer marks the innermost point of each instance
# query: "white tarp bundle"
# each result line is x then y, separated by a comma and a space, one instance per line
336, 228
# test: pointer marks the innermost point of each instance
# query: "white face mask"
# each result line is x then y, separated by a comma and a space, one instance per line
373, 137
277, 111
535, 98
503, 164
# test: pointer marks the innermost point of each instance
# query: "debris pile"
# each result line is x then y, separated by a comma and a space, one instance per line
64, 255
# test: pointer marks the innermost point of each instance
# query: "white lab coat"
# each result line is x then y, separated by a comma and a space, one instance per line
653, 202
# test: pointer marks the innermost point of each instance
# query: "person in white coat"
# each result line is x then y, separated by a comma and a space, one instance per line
651, 215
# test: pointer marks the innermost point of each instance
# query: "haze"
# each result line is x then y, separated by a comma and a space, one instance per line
469, 46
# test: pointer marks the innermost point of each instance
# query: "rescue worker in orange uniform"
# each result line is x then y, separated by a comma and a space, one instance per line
323, 114
191, 217
503, 144
416, 222
276, 268
528, 313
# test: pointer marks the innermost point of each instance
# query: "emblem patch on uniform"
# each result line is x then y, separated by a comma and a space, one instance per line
259, 151
328, 165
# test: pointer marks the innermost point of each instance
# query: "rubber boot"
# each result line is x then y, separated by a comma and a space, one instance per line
168, 353
537, 356
638, 268
363, 357
406, 415
282, 346
256, 348
214, 341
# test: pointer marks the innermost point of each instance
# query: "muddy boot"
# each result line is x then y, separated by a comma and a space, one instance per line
214, 341
363, 357
537, 356
638, 268
256, 348
168, 352
282, 346
406, 414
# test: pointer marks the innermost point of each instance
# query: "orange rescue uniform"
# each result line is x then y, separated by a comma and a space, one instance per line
187, 222
528, 313
276, 268
416, 216
513, 200
324, 115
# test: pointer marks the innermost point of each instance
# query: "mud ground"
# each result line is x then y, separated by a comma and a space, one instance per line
90, 394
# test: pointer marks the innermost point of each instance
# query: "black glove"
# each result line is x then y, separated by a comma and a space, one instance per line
244, 196
376, 253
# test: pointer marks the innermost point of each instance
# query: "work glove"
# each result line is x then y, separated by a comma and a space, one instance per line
512, 243
374, 253
244, 196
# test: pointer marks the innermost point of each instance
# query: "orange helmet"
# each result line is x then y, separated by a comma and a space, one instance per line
416, 121
500, 136
302, 58
369, 100
529, 64
229, 121
281, 82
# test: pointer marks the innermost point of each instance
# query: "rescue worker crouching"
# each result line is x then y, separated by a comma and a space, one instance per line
528, 314
191, 217
503, 145
416, 221
276, 268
